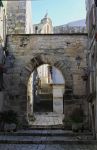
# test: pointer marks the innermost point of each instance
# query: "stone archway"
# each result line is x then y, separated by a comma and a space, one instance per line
45, 90
45, 59
29, 52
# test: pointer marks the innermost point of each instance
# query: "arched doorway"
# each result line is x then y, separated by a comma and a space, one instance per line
26, 72
57, 94
31, 51
45, 90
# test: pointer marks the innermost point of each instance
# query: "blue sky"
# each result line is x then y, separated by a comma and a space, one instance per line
60, 11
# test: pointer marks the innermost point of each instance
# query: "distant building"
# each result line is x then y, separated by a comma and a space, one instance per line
44, 27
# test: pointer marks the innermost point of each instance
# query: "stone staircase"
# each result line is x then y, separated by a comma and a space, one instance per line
46, 89
47, 136
45, 96
45, 103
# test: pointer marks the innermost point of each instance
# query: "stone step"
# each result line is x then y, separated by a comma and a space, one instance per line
48, 147
45, 140
43, 127
47, 136
48, 133
46, 100
46, 96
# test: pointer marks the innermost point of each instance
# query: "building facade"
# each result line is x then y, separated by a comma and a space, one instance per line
24, 53
15, 18
31, 51
2, 42
91, 21
44, 27
19, 17
2, 21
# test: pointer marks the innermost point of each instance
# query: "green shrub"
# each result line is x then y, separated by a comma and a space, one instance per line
9, 117
67, 123
77, 115
31, 117
66, 120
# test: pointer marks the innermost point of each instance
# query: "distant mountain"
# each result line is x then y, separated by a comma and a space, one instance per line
78, 26
81, 23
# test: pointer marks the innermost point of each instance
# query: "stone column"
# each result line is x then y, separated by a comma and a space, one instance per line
30, 96
58, 91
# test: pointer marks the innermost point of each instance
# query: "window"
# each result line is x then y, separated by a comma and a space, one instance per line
36, 29
48, 29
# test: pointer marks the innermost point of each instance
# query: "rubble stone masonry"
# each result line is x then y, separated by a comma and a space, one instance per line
27, 52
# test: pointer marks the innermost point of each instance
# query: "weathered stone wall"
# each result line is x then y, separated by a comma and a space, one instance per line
1, 76
19, 17
29, 51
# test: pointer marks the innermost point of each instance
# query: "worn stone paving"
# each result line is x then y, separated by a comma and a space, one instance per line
47, 119
46, 147
46, 139
41, 138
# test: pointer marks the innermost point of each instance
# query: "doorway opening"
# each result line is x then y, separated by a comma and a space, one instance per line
45, 91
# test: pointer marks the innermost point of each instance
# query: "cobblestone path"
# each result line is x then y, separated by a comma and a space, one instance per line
47, 119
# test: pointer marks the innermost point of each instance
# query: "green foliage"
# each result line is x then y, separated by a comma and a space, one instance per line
31, 117
66, 120
77, 115
67, 123
9, 117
